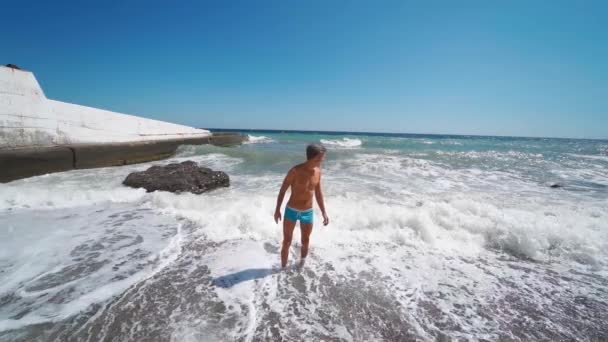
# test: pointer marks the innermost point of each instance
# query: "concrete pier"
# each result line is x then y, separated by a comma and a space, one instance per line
39, 135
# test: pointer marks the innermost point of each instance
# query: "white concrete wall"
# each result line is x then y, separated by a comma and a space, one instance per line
28, 118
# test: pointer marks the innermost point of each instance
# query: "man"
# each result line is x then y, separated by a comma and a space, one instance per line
305, 182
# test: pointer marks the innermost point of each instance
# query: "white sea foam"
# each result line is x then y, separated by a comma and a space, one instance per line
93, 187
494, 155
586, 156
70, 189
342, 143
253, 139
411, 204
60, 263
451, 142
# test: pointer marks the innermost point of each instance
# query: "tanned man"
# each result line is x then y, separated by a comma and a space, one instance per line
305, 182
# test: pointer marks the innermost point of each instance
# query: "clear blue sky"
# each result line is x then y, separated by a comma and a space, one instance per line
525, 68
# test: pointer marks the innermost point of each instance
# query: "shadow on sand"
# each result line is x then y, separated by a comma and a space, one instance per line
232, 279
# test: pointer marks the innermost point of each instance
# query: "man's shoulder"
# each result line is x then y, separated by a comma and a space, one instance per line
296, 167
293, 171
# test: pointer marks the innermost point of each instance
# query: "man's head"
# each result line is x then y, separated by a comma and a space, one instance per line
315, 152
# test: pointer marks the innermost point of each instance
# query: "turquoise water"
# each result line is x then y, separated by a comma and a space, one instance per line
572, 163
431, 238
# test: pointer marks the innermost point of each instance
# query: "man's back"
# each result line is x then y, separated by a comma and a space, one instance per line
304, 181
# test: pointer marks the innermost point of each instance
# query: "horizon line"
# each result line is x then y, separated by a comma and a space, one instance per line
392, 133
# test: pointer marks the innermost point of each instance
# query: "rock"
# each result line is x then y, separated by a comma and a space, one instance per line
185, 176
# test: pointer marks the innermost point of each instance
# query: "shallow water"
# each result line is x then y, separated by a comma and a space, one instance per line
431, 238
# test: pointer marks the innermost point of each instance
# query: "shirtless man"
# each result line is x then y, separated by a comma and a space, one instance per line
305, 182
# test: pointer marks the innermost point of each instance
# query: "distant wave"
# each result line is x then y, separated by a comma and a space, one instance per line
586, 156
344, 142
252, 139
450, 142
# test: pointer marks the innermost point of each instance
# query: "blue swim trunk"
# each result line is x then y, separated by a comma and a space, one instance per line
305, 216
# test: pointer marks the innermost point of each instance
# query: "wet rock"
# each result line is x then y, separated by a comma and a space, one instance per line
183, 177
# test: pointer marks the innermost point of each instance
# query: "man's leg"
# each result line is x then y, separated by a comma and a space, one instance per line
306, 229
288, 226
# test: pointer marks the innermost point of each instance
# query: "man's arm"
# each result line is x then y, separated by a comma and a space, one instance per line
286, 183
321, 202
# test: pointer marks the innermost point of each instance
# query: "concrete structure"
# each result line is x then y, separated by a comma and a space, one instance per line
28, 118
39, 135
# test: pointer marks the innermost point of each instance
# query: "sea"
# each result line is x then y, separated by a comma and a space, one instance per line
431, 238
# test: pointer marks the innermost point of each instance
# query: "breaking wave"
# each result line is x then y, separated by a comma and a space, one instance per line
253, 139
344, 142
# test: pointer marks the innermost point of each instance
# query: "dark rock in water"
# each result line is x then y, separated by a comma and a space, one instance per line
185, 176
556, 186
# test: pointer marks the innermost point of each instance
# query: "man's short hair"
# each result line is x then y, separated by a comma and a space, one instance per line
314, 150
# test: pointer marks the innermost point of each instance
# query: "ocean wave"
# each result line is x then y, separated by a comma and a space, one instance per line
451, 142
587, 156
70, 189
418, 174
495, 155
456, 224
253, 139
80, 188
342, 143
